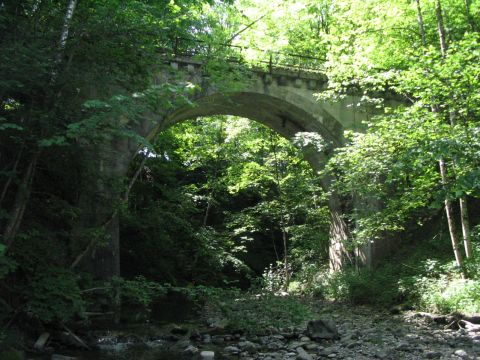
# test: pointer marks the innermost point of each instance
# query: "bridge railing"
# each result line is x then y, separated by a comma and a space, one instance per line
268, 59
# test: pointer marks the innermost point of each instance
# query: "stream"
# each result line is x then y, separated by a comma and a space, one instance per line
361, 333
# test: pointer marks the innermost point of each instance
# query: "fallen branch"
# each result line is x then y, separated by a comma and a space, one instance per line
87, 313
474, 319
76, 338
94, 289
469, 326
439, 319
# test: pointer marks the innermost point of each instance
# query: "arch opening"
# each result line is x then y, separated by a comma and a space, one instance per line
247, 204
287, 113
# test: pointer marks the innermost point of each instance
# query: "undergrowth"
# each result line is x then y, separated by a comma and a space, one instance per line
422, 276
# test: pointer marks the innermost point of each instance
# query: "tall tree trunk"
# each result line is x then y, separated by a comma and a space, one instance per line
283, 224
441, 28
21, 201
421, 26
443, 172
67, 19
465, 227
285, 258
464, 218
207, 210
10, 178
450, 218
470, 19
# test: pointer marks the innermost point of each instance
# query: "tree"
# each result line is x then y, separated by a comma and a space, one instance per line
427, 78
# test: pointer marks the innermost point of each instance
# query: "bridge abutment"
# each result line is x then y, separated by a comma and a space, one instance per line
97, 231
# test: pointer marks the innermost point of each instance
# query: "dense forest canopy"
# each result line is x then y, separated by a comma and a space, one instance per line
224, 201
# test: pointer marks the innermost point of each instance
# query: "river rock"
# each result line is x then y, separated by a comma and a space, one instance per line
247, 346
461, 353
217, 323
41, 342
322, 329
207, 355
311, 346
178, 330
62, 357
207, 339
433, 355
190, 350
218, 339
303, 355
232, 350
403, 346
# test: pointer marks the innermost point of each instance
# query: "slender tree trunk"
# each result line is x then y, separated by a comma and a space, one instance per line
441, 28
67, 19
21, 201
464, 218
450, 218
285, 258
470, 19
207, 210
283, 217
443, 173
10, 178
66, 26
465, 227
421, 26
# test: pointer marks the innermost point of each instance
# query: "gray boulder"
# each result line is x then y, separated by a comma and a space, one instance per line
322, 329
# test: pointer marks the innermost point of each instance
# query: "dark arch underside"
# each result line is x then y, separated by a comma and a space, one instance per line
284, 117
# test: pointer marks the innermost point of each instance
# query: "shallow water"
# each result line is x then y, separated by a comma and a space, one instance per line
141, 341
145, 354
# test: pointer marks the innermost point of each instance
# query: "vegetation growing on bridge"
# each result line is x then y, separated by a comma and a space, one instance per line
222, 201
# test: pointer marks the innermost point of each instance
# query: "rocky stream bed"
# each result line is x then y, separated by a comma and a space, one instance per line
344, 332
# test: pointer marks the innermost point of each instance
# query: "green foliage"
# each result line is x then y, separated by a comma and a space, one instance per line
252, 312
7, 264
364, 286
273, 279
54, 295
137, 292
449, 295
213, 190
12, 354
256, 314
421, 276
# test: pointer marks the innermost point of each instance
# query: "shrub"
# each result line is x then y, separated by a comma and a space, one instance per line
450, 295
54, 295
363, 286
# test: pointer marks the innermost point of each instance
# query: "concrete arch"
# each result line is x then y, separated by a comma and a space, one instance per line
289, 119
282, 99
286, 118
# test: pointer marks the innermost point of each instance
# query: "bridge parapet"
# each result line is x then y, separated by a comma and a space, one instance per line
281, 75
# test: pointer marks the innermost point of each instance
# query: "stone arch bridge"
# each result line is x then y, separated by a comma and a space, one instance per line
283, 98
